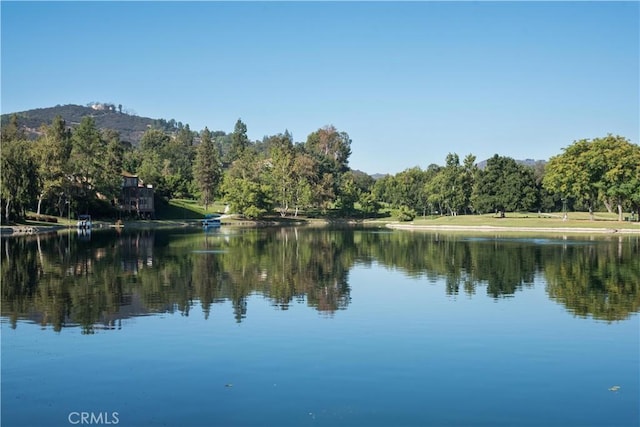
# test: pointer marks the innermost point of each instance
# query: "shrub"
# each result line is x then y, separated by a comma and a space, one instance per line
405, 213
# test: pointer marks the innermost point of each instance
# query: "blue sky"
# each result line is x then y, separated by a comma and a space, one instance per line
409, 82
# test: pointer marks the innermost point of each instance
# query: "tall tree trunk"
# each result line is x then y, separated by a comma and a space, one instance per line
591, 216
40, 197
607, 204
6, 211
619, 210
61, 206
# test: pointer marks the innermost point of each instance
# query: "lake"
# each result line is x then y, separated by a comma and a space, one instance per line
319, 327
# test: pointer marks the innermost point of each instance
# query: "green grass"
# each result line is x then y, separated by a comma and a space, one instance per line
526, 219
186, 209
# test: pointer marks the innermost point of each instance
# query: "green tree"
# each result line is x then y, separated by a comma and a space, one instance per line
113, 161
51, 153
620, 181
332, 147
154, 140
602, 169
87, 157
282, 173
575, 174
246, 185
239, 142
331, 150
12, 131
448, 189
348, 194
504, 185
179, 157
19, 178
150, 172
207, 168
304, 173
468, 180
368, 203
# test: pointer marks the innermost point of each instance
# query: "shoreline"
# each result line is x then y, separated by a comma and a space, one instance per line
492, 228
26, 229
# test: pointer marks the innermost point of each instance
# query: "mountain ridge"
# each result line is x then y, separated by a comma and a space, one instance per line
130, 126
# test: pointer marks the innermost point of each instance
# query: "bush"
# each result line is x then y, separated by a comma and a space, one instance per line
253, 212
405, 213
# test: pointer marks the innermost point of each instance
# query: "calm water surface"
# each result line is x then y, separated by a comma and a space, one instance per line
306, 327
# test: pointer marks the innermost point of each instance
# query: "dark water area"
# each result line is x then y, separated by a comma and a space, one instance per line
302, 326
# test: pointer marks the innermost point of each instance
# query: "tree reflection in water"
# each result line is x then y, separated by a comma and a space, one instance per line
58, 281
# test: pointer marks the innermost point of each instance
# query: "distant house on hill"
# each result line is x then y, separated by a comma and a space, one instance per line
136, 198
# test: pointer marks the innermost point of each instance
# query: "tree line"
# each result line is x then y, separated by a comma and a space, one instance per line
80, 169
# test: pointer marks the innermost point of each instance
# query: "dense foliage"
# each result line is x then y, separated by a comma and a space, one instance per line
603, 170
80, 168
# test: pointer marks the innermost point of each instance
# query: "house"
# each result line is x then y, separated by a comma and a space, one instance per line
136, 198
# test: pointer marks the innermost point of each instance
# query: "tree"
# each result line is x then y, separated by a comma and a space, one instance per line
86, 160
348, 194
179, 156
12, 130
595, 170
467, 182
449, 188
574, 174
331, 150
368, 203
154, 140
246, 185
304, 172
207, 168
51, 154
239, 141
504, 185
332, 146
282, 174
19, 178
113, 161
150, 172
620, 180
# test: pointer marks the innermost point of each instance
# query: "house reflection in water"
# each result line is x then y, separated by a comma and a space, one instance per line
136, 251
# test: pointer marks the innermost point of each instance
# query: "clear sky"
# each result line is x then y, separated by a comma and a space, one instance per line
409, 82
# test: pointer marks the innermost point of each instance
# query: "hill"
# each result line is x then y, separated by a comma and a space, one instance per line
130, 126
527, 162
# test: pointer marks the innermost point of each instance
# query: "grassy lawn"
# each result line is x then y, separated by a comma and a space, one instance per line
526, 219
186, 209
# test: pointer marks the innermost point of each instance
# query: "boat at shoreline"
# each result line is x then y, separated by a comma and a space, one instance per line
84, 222
211, 221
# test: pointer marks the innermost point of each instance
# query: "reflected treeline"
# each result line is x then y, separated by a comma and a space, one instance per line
597, 277
503, 266
61, 280
602, 280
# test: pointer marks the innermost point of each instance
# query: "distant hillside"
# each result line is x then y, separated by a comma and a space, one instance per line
526, 162
106, 116
378, 176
